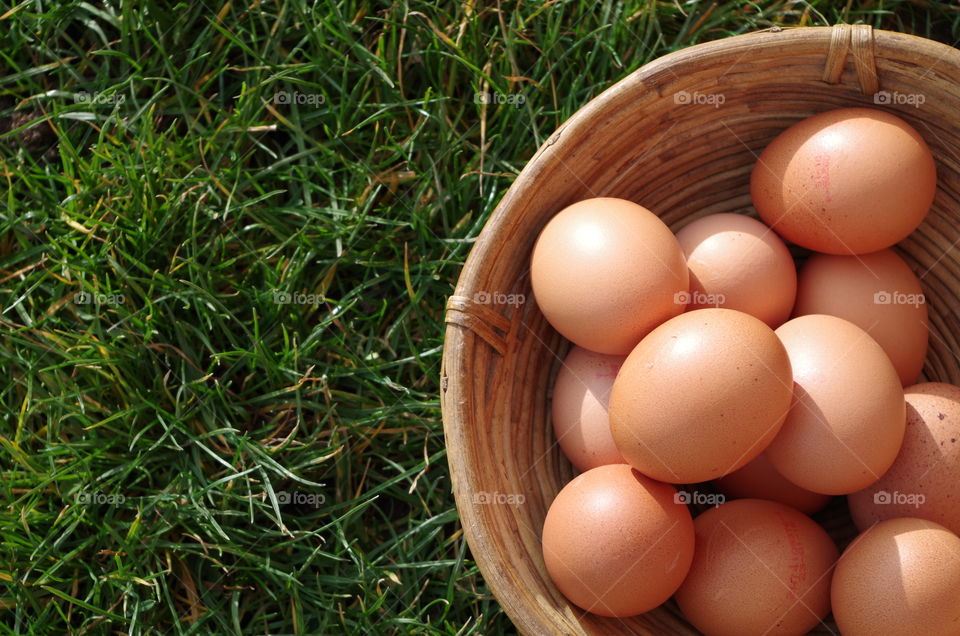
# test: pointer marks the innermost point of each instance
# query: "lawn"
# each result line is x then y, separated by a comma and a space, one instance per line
227, 233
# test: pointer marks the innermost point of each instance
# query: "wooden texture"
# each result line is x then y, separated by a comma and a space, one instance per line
682, 155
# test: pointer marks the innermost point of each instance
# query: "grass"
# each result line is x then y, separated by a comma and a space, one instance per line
221, 310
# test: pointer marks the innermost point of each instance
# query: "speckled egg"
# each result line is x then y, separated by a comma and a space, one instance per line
924, 481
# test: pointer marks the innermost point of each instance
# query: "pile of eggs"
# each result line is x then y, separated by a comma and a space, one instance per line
706, 356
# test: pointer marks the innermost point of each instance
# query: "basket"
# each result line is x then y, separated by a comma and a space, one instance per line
679, 136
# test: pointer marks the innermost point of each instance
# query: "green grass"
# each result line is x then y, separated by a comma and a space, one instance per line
180, 452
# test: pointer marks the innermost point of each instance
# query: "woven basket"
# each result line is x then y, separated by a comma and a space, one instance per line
659, 138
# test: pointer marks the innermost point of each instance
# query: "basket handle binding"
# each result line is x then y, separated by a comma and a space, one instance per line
479, 318
859, 38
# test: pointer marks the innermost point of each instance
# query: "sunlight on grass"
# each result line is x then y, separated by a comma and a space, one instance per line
228, 234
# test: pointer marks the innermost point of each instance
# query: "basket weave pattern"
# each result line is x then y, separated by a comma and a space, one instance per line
649, 139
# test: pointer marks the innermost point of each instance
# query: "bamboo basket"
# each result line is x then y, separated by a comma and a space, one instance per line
658, 138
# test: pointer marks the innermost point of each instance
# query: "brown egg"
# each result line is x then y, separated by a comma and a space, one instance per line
605, 272
923, 480
899, 578
847, 181
700, 396
579, 410
739, 263
846, 423
759, 567
877, 292
760, 480
616, 543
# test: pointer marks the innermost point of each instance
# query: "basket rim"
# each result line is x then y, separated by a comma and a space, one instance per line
455, 404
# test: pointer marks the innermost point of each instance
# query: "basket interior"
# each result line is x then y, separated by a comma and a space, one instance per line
683, 158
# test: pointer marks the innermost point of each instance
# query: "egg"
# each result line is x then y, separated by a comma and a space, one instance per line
848, 415
879, 293
579, 409
700, 396
617, 543
846, 181
605, 272
739, 263
899, 578
759, 567
760, 480
923, 480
